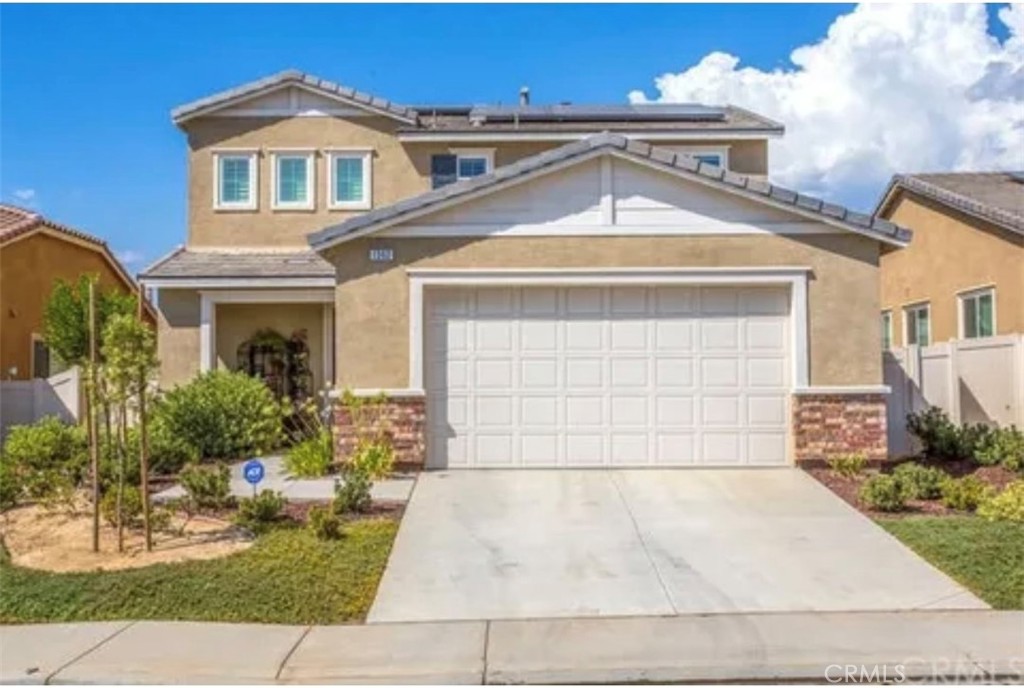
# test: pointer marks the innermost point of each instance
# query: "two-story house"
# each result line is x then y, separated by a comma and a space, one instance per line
532, 285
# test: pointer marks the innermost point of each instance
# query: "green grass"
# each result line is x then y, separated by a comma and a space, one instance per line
287, 576
986, 557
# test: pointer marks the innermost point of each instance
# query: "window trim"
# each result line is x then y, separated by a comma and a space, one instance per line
486, 153
254, 175
974, 292
887, 342
276, 155
916, 306
366, 155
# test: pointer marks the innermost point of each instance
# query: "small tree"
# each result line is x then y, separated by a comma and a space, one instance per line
130, 363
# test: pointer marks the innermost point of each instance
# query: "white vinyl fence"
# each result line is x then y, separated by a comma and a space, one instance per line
26, 401
972, 380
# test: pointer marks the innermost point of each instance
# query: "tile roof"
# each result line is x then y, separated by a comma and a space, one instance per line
293, 76
15, 221
684, 165
994, 196
185, 264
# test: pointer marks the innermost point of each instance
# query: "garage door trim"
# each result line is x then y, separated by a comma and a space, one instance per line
793, 277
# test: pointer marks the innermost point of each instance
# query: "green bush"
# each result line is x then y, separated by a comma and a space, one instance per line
964, 494
942, 439
374, 457
352, 491
207, 487
259, 512
10, 486
920, 482
131, 507
848, 465
1004, 446
883, 493
223, 415
1008, 505
324, 523
312, 457
48, 457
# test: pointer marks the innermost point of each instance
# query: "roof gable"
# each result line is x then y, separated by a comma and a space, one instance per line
292, 92
997, 197
742, 189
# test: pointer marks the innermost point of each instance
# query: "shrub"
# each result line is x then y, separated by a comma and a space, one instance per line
1008, 505
941, 438
49, 457
10, 486
207, 487
324, 523
883, 493
352, 491
259, 512
312, 457
374, 457
848, 465
1004, 446
919, 482
964, 494
131, 507
223, 415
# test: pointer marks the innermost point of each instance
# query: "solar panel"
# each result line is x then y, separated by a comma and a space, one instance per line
645, 111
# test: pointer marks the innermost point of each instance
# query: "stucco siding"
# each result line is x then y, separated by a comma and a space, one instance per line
29, 269
372, 302
950, 253
178, 336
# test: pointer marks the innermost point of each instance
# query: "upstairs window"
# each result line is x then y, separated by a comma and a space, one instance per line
293, 180
460, 164
978, 314
236, 180
710, 158
350, 180
710, 155
886, 330
919, 325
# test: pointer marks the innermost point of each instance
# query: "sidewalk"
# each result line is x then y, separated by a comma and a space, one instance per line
968, 645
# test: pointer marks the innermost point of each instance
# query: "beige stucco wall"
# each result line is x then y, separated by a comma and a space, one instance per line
400, 170
237, 322
950, 253
372, 303
178, 336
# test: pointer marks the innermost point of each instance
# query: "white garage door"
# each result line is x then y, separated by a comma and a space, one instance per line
606, 376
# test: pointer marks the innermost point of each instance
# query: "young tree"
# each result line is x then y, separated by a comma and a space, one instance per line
66, 316
130, 363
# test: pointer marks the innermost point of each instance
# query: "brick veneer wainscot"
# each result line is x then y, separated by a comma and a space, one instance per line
825, 425
405, 415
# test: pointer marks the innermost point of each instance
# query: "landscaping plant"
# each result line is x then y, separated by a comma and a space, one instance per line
259, 512
207, 486
883, 493
352, 491
964, 494
10, 486
47, 460
919, 482
1008, 505
324, 523
1003, 446
312, 457
224, 415
374, 452
124, 509
848, 465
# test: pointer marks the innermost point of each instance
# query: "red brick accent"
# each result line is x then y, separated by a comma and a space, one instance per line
404, 418
825, 425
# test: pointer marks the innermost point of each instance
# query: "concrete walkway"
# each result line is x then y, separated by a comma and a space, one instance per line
961, 646
393, 489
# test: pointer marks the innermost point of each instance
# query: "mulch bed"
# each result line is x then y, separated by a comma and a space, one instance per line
299, 511
848, 488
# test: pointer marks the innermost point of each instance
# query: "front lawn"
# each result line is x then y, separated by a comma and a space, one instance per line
288, 576
986, 557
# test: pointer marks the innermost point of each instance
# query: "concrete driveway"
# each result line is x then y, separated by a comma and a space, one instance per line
527, 544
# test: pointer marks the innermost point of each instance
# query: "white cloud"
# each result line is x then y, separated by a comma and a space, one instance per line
130, 258
25, 195
891, 88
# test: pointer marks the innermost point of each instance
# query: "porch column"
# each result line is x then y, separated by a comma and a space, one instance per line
328, 344
207, 332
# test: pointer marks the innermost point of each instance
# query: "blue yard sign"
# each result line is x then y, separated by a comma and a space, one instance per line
253, 472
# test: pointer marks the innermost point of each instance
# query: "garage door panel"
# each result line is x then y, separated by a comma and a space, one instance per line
600, 376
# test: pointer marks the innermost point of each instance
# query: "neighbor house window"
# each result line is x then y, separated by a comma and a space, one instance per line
350, 180
235, 181
460, 164
919, 324
293, 180
978, 314
886, 330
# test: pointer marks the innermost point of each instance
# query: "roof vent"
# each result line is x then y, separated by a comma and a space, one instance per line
524, 96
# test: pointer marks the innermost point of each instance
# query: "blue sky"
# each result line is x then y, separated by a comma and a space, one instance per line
85, 132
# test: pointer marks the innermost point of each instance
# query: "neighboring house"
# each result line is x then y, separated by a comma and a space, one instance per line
36, 252
963, 277
532, 285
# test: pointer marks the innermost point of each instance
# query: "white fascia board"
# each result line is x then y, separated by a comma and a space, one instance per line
238, 282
